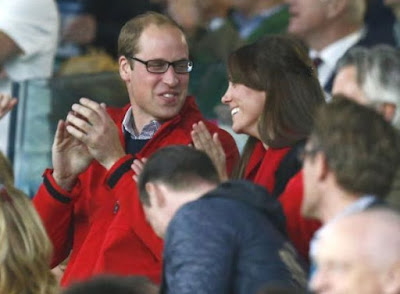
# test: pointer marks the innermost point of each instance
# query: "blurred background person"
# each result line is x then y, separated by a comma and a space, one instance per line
372, 77
359, 254
350, 161
257, 18
330, 29
25, 249
28, 38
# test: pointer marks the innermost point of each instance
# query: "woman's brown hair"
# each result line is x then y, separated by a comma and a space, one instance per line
279, 66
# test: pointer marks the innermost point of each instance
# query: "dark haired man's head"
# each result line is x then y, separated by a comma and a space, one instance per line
114, 285
352, 149
171, 177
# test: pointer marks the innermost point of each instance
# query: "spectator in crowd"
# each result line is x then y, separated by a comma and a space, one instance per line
257, 18
28, 38
372, 77
96, 23
360, 254
114, 285
88, 201
25, 249
349, 162
272, 94
218, 239
212, 36
329, 28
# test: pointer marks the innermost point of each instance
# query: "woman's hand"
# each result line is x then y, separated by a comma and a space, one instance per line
211, 145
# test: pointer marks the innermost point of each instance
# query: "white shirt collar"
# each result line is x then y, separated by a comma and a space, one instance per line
148, 131
355, 207
332, 53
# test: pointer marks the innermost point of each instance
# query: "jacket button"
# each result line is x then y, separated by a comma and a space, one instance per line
116, 207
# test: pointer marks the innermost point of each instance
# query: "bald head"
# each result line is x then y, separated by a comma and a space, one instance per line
359, 254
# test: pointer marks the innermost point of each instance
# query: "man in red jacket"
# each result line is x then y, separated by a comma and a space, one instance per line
89, 202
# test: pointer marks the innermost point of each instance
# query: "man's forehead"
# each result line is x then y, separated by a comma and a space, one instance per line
162, 36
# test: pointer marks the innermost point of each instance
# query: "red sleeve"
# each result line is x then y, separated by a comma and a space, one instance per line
300, 230
55, 207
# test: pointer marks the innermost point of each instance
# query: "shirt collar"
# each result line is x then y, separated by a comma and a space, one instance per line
355, 207
332, 53
148, 131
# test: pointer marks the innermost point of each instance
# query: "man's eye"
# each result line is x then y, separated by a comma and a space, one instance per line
156, 64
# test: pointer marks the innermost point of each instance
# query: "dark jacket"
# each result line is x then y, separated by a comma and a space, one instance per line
229, 241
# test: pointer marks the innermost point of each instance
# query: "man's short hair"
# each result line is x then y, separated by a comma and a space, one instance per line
179, 167
378, 74
361, 147
128, 41
108, 284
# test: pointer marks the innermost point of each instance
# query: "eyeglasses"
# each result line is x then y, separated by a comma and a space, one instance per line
303, 153
161, 66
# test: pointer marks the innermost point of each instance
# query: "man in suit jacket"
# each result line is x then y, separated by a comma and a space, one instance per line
329, 28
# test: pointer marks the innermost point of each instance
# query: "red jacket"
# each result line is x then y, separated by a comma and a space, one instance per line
261, 170
102, 219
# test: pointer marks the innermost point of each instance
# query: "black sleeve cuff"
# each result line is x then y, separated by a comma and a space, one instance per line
54, 193
119, 172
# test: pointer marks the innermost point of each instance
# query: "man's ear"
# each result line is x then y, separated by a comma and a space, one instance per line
124, 68
322, 165
156, 196
388, 110
335, 7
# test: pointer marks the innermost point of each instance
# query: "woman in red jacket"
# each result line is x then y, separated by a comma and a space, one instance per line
272, 94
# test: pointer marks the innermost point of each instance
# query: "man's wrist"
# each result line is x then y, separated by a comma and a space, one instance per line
66, 183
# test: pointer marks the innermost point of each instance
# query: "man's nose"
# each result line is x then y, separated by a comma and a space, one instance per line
170, 77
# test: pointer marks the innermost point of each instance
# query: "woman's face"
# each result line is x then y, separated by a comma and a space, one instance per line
246, 106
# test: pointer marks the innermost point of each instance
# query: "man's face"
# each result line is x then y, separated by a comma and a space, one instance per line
157, 96
346, 84
306, 17
155, 217
309, 206
342, 267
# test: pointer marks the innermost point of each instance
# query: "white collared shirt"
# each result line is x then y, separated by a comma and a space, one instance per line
332, 53
355, 207
148, 131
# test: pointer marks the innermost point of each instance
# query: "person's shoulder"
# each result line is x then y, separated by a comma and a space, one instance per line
203, 212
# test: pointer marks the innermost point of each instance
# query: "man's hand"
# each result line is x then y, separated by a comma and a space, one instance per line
70, 157
211, 145
6, 104
91, 124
